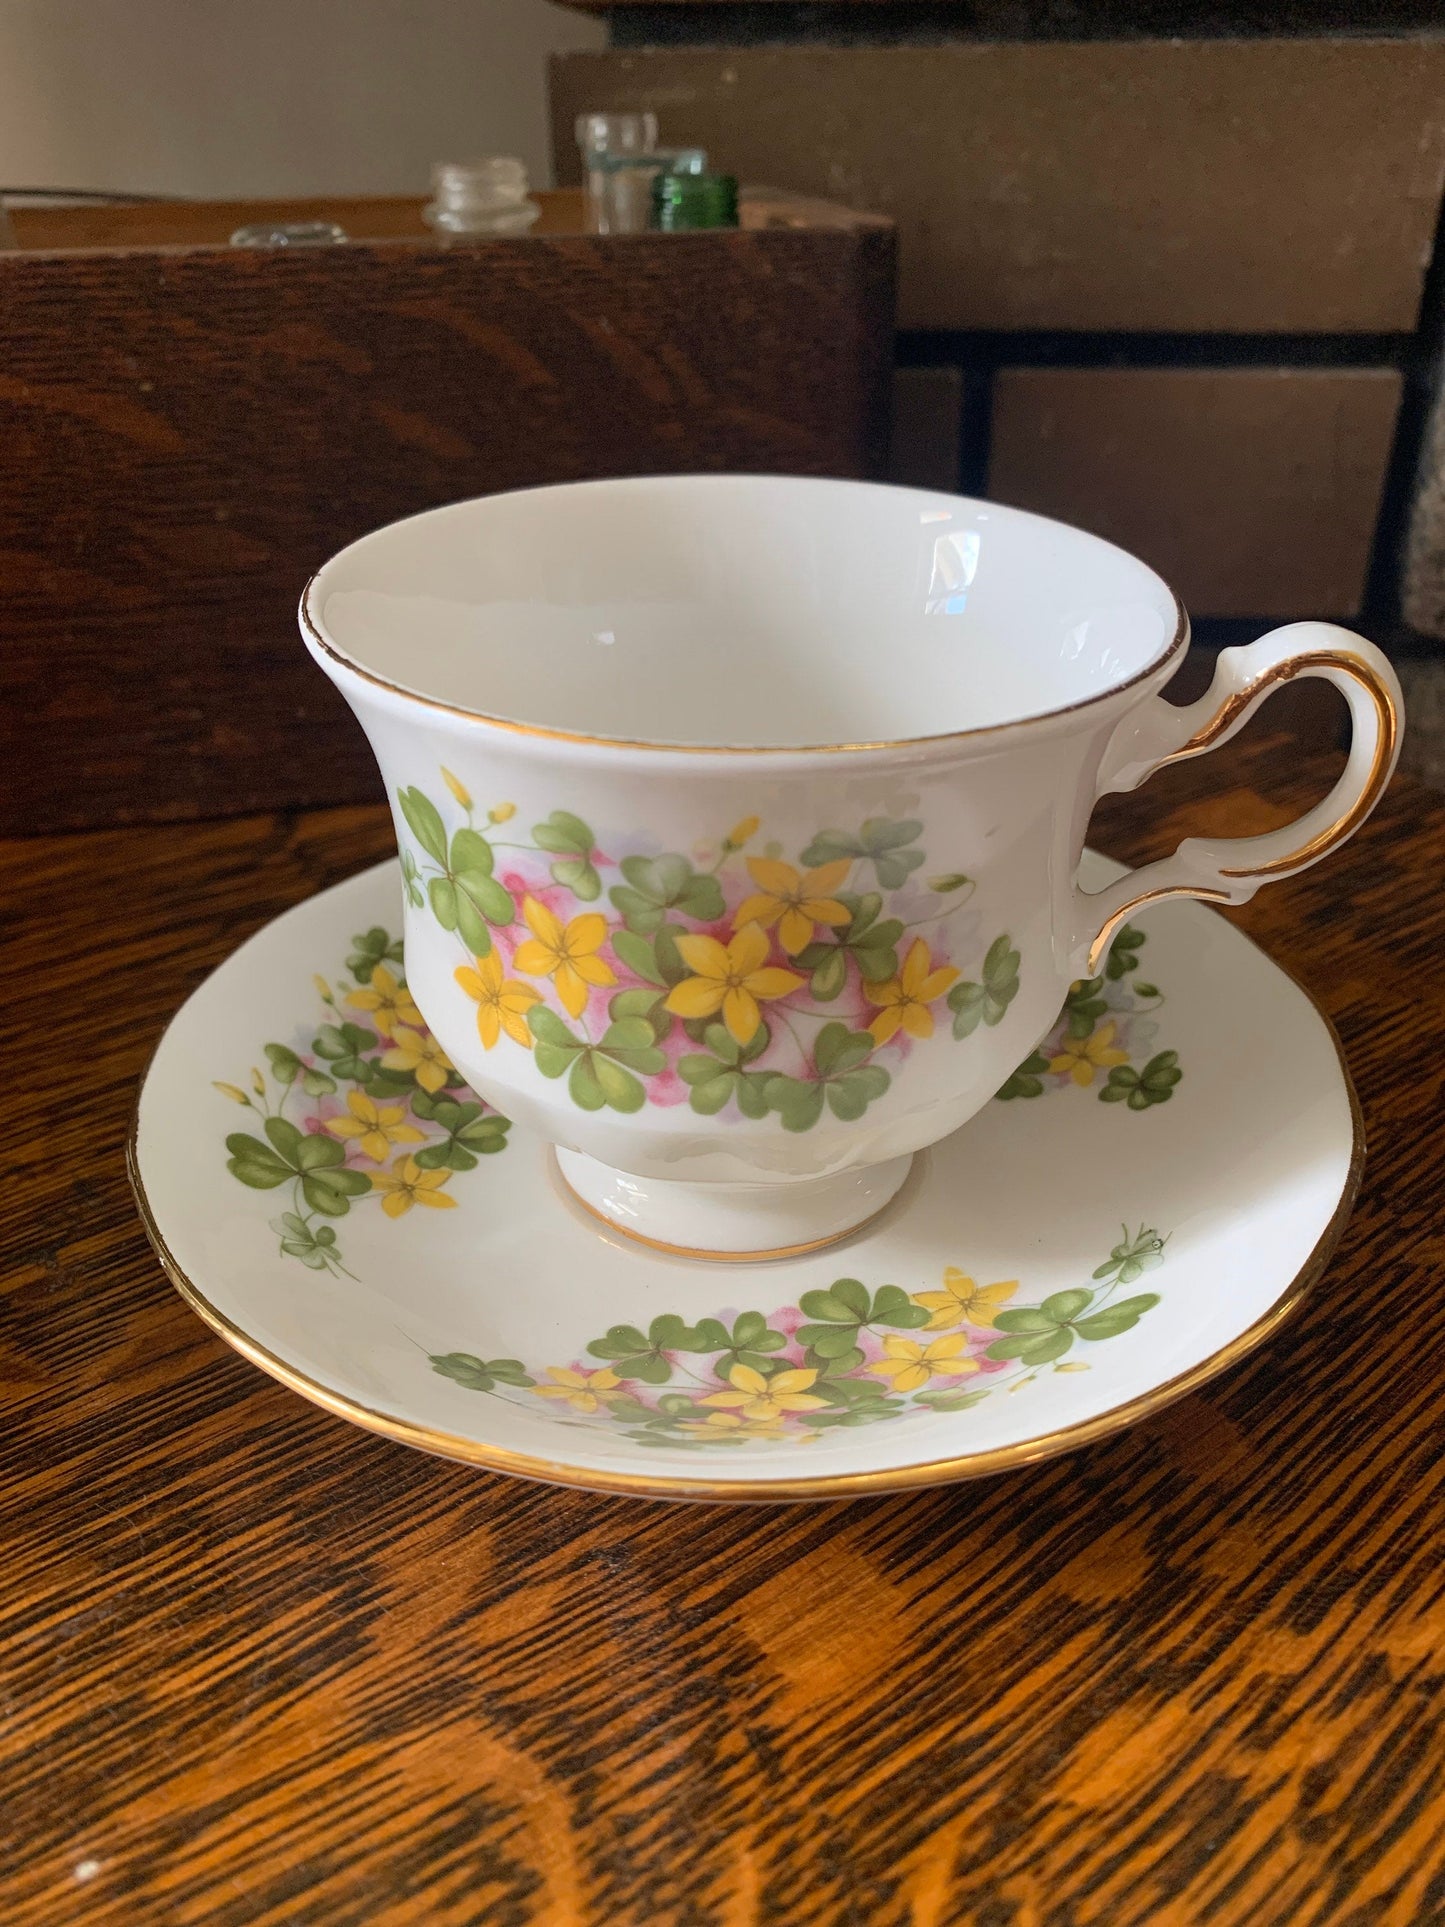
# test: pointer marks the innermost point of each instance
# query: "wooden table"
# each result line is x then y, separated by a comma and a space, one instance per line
261, 1667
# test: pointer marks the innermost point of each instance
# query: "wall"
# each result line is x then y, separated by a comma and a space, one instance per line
229, 98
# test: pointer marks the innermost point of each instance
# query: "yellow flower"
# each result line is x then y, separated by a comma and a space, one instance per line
732, 1425
732, 980
323, 990
388, 1002
258, 1083
759, 1398
579, 1389
457, 788
566, 953
1082, 1056
407, 1184
502, 1002
794, 900
501, 812
904, 999
910, 1365
741, 832
230, 1090
962, 1301
374, 1126
418, 1051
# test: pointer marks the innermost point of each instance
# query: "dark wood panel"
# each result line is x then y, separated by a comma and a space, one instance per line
1235, 185
1253, 491
263, 1670
186, 435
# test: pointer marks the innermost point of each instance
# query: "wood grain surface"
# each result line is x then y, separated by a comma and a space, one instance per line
187, 433
257, 1667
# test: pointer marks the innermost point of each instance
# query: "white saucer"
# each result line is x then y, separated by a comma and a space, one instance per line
1119, 1252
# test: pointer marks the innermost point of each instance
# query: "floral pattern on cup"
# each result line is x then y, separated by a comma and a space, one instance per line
735, 979
1104, 1037
845, 1356
362, 1106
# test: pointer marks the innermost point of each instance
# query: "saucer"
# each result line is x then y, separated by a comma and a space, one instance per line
1149, 1197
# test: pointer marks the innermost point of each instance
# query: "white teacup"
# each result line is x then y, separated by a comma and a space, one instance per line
741, 816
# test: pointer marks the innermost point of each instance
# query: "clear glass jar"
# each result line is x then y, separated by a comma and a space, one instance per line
619, 161
487, 196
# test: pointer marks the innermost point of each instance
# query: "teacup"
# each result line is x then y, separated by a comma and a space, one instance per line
740, 817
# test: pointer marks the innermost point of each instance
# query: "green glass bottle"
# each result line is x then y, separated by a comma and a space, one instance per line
682, 203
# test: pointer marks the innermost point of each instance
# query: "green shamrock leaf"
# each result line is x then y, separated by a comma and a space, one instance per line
879, 842
852, 1391
986, 1001
944, 1401
1139, 1089
847, 1084
750, 1342
425, 823
286, 1067
480, 1374
1084, 1006
635, 1354
838, 1315
1038, 1334
856, 1415
869, 938
656, 958
374, 946
468, 897
658, 884
1041, 1334
314, 1245
1121, 1316
411, 878
571, 841
472, 1132
1027, 1080
285, 1064
598, 1074
344, 1047
1124, 956
647, 1004
721, 1074
564, 834
317, 1161
1136, 1253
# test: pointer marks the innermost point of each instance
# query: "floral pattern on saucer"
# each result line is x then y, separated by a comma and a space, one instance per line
363, 1105
1105, 1032
843, 1356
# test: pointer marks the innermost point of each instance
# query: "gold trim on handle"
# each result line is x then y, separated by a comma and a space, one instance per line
1099, 948
1220, 723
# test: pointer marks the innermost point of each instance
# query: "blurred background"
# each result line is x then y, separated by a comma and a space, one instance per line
1169, 271
233, 98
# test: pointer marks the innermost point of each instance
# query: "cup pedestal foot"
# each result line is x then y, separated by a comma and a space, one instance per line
732, 1222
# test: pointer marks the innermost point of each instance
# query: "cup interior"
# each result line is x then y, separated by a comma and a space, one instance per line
749, 611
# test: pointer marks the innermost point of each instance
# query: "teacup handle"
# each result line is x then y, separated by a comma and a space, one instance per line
1231, 869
